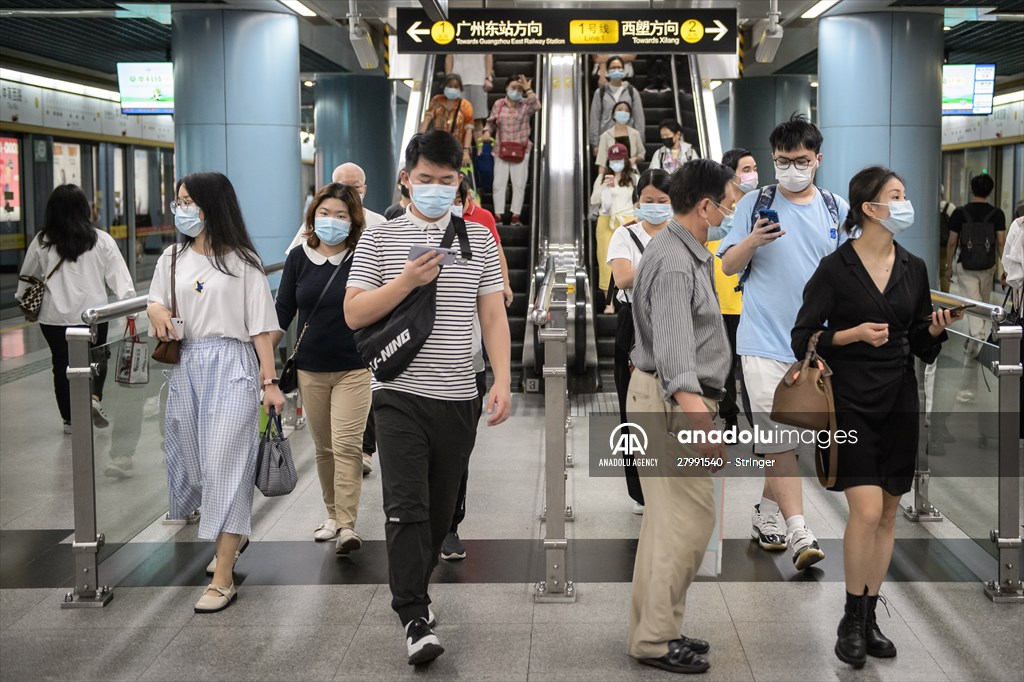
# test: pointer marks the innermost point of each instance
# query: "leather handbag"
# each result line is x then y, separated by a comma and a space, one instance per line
32, 299
289, 380
511, 152
804, 399
169, 352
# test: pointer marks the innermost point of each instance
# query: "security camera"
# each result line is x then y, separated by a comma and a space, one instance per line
769, 43
362, 43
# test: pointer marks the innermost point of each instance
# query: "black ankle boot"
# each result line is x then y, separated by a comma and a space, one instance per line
878, 645
851, 645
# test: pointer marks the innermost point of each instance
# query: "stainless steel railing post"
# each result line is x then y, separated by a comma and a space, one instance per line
1007, 537
87, 592
552, 315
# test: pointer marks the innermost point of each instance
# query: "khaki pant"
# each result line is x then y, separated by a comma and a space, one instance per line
336, 405
977, 285
679, 516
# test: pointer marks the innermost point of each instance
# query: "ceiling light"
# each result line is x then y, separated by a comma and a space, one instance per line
947, 28
714, 84
818, 9
298, 8
1008, 97
59, 85
308, 84
814, 84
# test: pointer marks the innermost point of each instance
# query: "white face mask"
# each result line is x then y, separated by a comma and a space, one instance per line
794, 180
901, 216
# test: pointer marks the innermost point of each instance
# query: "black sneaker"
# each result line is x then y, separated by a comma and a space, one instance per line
421, 642
452, 548
679, 659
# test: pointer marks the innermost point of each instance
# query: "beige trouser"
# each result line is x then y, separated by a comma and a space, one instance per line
977, 285
679, 515
336, 405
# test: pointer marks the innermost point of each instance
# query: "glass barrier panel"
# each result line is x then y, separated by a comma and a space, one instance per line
962, 413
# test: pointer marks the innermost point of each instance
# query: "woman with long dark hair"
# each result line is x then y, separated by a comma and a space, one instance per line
334, 382
871, 303
225, 318
653, 210
612, 198
82, 262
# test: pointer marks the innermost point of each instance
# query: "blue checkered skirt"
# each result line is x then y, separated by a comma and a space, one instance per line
211, 434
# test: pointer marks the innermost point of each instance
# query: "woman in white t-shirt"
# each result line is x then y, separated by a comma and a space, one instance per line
212, 419
653, 210
82, 262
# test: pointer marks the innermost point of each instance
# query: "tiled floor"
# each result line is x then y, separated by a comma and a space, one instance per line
764, 621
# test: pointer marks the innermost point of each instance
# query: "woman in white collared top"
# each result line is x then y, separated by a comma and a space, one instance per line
85, 262
334, 382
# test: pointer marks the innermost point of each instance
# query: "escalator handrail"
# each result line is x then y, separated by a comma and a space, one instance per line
675, 90
539, 160
539, 314
697, 91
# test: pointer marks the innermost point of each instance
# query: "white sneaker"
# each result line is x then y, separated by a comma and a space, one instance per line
67, 428
768, 529
965, 396
119, 468
348, 541
805, 548
638, 509
367, 464
99, 417
421, 643
242, 546
327, 530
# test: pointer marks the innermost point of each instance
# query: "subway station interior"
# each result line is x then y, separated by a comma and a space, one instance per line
99, 579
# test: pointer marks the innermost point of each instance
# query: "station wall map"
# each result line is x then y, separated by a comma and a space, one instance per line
704, 31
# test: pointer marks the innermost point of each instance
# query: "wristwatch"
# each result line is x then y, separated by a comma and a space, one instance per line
271, 382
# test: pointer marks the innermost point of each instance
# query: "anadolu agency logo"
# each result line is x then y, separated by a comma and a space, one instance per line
628, 440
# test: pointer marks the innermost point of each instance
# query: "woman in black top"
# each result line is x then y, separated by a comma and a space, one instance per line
871, 300
334, 382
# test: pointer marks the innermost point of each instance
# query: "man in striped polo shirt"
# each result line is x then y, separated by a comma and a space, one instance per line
427, 416
682, 358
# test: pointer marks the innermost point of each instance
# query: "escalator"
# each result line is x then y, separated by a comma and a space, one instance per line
515, 239
676, 102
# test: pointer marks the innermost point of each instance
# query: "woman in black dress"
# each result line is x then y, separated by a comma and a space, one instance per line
871, 300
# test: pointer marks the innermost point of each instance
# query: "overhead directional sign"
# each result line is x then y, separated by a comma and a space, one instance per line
704, 31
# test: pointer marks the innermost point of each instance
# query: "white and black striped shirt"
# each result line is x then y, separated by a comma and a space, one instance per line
443, 369
680, 335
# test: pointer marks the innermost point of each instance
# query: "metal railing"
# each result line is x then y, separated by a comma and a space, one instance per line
88, 592
698, 107
550, 314
1007, 587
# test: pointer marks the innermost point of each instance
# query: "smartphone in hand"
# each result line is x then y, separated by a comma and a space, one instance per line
418, 250
957, 309
772, 216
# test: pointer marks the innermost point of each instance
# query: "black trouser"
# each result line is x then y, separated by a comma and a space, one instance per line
623, 345
460, 503
423, 447
370, 435
729, 408
57, 341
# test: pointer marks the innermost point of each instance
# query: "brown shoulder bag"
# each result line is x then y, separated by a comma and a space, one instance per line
804, 399
169, 352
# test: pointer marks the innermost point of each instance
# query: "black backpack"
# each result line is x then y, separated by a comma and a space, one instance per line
977, 242
389, 345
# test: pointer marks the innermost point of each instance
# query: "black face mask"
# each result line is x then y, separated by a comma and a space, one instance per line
668, 142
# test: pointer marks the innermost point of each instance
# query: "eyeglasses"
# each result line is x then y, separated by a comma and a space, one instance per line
186, 204
800, 164
725, 211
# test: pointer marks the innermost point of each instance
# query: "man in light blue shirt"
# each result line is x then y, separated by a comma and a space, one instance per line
776, 261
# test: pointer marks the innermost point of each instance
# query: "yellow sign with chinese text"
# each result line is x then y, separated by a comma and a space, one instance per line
594, 32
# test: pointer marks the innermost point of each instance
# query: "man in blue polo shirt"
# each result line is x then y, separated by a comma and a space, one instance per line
776, 260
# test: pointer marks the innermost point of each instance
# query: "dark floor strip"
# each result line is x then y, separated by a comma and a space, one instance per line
488, 561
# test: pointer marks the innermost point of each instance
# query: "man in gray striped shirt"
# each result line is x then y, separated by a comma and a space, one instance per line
682, 358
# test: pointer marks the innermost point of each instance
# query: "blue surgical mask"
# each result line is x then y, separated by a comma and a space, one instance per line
617, 166
617, 74
622, 117
187, 221
514, 95
655, 214
718, 233
433, 201
901, 216
331, 231
452, 93
458, 209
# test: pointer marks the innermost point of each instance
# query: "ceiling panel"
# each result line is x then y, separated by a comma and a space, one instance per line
1000, 5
